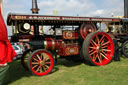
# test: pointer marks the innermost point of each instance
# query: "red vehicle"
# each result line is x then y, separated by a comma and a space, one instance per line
69, 37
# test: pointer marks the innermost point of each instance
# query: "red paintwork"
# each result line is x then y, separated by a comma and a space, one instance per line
64, 50
52, 44
48, 39
49, 44
71, 35
58, 44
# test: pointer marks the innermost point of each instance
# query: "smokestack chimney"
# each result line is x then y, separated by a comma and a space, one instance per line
35, 8
126, 8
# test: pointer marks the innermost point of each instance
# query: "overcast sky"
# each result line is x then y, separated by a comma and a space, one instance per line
103, 8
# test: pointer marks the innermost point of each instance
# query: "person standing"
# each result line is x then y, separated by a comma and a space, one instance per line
6, 51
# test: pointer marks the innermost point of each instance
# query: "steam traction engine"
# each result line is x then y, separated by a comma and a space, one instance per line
69, 37
66, 36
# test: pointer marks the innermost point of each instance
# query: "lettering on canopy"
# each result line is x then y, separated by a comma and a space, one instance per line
64, 18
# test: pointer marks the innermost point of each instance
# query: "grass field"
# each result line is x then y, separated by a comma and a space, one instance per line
70, 73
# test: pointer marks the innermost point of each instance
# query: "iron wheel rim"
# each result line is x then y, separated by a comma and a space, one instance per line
101, 48
39, 65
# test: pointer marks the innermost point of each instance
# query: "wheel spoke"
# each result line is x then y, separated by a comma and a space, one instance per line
106, 43
44, 54
38, 69
38, 57
95, 57
91, 50
47, 62
41, 56
103, 52
92, 47
35, 63
97, 39
106, 50
104, 56
35, 66
47, 59
102, 41
35, 59
44, 68
93, 53
99, 58
41, 70
104, 47
102, 38
94, 43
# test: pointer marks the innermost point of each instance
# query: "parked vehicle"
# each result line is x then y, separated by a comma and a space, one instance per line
18, 51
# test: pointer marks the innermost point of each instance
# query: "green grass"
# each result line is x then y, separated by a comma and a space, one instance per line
70, 73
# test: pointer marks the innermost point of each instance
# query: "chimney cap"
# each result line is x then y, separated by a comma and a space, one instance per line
35, 8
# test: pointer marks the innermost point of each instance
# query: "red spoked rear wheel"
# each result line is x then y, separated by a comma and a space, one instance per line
98, 48
41, 62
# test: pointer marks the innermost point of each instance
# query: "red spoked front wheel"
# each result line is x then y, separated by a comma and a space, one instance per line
98, 48
41, 62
